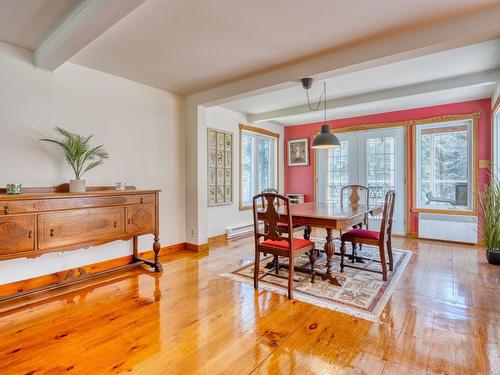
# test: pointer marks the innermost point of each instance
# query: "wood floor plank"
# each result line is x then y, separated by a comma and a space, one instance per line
443, 318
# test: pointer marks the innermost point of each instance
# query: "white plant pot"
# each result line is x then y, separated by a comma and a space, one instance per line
77, 186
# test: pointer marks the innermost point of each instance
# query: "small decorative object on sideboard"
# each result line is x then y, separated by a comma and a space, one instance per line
80, 156
296, 198
120, 186
13, 189
488, 202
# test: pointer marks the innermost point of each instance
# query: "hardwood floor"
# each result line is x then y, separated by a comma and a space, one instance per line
443, 318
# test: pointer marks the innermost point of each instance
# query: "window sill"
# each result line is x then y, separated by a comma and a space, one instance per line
245, 208
444, 211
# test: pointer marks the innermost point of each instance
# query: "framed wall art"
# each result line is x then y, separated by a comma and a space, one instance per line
220, 167
298, 152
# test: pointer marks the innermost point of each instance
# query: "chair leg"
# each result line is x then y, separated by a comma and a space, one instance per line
312, 260
354, 245
389, 251
382, 261
256, 270
291, 266
342, 254
276, 261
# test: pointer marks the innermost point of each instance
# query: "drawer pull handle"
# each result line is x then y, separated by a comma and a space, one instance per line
115, 224
129, 221
30, 234
142, 200
51, 233
6, 210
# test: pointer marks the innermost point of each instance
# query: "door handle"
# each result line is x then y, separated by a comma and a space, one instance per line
6, 210
142, 200
51, 233
129, 221
115, 224
30, 234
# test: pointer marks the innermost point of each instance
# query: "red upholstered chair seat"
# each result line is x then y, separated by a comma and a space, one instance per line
362, 233
298, 243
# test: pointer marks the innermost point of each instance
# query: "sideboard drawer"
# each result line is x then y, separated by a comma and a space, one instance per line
61, 229
37, 205
16, 234
141, 219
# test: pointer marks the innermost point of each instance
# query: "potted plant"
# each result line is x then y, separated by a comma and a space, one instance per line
80, 156
489, 204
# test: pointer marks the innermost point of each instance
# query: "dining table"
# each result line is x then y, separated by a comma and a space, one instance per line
331, 216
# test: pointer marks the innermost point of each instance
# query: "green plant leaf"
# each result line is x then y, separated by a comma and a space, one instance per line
78, 153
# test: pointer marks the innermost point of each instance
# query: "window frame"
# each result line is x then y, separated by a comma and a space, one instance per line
473, 118
495, 127
262, 132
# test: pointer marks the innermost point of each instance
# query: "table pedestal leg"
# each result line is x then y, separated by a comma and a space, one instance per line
330, 250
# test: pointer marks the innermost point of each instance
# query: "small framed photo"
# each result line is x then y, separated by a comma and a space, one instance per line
298, 152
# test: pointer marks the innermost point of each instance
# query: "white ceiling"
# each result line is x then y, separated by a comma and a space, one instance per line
186, 46
456, 62
26, 23
399, 104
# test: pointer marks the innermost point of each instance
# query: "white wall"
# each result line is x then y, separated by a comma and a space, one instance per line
142, 128
222, 217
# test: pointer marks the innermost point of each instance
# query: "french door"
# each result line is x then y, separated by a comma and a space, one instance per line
374, 158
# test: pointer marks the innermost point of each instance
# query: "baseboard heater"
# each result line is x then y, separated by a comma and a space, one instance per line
456, 228
241, 231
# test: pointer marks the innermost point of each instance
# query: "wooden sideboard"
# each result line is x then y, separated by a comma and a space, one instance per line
42, 220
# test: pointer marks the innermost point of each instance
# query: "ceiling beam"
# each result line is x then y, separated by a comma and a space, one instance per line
89, 20
469, 80
389, 47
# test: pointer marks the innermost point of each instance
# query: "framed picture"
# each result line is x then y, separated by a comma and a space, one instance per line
220, 167
298, 152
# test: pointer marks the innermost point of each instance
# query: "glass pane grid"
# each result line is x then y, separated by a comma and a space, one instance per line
381, 174
338, 170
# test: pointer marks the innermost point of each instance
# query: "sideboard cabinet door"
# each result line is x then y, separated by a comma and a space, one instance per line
141, 219
69, 228
17, 234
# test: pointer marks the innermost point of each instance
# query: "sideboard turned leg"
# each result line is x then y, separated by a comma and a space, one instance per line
156, 248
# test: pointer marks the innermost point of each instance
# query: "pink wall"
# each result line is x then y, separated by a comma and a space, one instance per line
301, 179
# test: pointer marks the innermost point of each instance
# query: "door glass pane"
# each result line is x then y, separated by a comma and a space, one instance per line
380, 170
338, 170
247, 168
264, 150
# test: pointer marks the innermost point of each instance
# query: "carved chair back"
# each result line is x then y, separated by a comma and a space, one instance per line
274, 209
387, 215
354, 194
269, 190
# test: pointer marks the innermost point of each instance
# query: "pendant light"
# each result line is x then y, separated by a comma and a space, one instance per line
325, 139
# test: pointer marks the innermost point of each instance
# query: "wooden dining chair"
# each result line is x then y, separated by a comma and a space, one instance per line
382, 238
270, 240
353, 198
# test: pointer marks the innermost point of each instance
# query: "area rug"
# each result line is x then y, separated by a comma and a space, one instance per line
362, 294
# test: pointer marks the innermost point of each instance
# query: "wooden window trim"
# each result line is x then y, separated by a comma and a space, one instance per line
473, 117
268, 133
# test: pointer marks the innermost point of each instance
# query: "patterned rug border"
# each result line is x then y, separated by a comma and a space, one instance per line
332, 305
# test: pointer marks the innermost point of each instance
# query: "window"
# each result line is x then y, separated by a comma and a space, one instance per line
258, 162
380, 167
445, 156
338, 170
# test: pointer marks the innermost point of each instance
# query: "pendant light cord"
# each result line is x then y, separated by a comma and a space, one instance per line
322, 97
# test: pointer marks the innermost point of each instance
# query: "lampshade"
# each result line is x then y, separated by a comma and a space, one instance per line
325, 139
